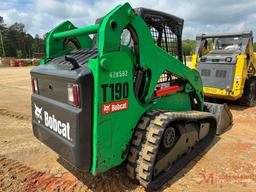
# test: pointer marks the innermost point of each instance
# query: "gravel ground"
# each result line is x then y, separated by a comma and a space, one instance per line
229, 164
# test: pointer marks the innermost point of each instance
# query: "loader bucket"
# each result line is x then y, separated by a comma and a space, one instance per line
223, 115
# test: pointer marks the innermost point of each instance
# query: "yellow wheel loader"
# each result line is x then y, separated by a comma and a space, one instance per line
227, 66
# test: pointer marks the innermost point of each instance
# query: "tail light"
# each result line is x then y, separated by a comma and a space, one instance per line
34, 85
73, 94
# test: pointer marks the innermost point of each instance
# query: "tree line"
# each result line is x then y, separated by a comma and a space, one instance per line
15, 42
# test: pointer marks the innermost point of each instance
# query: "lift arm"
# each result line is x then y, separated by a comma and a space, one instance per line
109, 40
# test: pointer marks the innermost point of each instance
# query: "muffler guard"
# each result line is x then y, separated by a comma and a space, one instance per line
222, 114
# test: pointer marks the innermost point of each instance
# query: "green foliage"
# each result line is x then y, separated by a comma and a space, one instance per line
2, 25
188, 46
19, 54
18, 43
254, 47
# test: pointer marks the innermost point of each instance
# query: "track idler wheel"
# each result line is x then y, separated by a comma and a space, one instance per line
169, 137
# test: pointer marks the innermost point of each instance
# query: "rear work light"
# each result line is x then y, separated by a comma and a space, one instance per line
73, 94
34, 85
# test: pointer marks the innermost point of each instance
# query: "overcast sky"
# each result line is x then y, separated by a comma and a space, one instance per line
201, 16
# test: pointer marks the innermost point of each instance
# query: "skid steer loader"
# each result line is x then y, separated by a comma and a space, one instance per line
227, 66
117, 92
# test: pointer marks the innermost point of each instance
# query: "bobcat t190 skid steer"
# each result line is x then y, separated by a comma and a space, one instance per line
117, 91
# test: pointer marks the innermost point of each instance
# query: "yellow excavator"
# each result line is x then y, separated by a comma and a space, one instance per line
227, 66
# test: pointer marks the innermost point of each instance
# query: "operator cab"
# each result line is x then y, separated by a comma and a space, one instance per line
227, 44
166, 31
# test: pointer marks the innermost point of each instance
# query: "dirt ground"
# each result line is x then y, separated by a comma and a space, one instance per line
229, 164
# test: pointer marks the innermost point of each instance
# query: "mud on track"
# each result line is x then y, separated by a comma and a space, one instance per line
28, 165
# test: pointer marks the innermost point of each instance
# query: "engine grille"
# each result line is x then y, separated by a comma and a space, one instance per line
206, 72
221, 73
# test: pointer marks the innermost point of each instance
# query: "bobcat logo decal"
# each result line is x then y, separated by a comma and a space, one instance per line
38, 113
51, 122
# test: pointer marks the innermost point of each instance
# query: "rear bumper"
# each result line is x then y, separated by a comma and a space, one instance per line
64, 129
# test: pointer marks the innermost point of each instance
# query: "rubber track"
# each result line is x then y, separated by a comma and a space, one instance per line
246, 97
144, 150
136, 143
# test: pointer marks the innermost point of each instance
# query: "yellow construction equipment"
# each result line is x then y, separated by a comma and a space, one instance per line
227, 66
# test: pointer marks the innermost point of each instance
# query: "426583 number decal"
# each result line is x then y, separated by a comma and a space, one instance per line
117, 91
